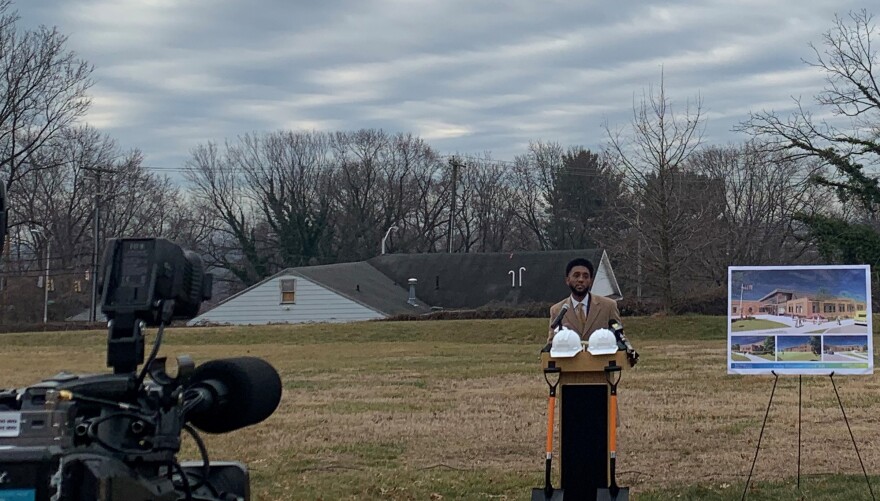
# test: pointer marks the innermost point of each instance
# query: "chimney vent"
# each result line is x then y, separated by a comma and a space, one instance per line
412, 291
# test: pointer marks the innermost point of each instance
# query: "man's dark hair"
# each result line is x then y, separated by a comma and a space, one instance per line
579, 261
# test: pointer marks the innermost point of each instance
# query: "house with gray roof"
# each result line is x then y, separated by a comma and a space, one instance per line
343, 292
471, 280
398, 284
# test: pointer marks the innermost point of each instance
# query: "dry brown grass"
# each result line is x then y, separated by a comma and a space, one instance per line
406, 418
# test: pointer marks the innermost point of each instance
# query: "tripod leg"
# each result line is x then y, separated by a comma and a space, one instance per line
761, 435
845, 420
800, 386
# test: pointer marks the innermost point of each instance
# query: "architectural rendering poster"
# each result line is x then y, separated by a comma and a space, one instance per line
799, 320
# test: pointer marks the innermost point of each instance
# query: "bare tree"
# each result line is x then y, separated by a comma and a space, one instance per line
424, 227
491, 205
52, 200
220, 191
138, 202
358, 191
533, 188
422, 194
847, 142
669, 214
289, 179
385, 180
298, 198
764, 191
43, 88
486, 216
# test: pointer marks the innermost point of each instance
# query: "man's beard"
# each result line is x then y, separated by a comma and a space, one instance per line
576, 292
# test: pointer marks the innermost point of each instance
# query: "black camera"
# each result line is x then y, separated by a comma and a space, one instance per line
115, 437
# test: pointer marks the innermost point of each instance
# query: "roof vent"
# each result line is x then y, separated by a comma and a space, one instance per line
412, 292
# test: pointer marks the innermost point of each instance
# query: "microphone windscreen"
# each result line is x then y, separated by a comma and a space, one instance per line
253, 392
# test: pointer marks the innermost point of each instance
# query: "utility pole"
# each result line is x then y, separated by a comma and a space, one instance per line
46, 281
96, 230
5, 280
454, 163
96, 225
638, 257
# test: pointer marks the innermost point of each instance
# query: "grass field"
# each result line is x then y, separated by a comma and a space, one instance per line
456, 410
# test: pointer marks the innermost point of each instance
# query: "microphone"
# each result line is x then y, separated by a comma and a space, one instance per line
617, 329
228, 394
558, 320
631, 353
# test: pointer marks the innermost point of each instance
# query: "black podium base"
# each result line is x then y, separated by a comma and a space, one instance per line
584, 439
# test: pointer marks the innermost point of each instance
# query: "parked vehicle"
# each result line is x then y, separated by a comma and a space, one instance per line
861, 318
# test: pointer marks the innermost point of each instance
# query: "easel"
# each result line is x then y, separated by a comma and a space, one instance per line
767, 413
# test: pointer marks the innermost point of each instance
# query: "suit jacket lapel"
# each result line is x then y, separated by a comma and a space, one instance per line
592, 316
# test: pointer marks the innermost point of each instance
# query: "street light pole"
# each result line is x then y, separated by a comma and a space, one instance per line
392, 227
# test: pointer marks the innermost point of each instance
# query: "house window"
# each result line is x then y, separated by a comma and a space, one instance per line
288, 291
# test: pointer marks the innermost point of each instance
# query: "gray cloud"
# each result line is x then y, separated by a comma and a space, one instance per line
467, 76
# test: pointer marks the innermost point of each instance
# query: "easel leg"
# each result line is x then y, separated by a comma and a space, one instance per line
845, 420
761, 435
800, 386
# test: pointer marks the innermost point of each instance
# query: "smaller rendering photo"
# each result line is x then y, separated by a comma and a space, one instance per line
799, 348
845, 348
753, 348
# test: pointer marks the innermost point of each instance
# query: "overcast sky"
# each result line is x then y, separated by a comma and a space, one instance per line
469, 76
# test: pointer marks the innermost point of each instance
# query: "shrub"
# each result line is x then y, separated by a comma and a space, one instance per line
490, 311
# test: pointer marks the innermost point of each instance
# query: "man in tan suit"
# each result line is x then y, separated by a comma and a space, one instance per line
587, 312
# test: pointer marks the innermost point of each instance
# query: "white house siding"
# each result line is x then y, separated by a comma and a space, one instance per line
262, 305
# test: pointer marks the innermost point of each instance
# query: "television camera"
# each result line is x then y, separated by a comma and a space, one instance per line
115, 437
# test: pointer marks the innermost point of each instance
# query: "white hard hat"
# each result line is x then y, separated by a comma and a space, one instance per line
566, 343
602, 342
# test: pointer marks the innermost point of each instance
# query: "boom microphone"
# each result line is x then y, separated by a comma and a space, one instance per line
558, 320
631, 354
228, 394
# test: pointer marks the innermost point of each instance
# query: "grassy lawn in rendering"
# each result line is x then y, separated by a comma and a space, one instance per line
797, 356
755, 324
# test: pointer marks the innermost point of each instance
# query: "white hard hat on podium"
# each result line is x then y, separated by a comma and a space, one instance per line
566, 343
602, 342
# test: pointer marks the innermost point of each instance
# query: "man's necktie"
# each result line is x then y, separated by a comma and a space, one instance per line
582, 318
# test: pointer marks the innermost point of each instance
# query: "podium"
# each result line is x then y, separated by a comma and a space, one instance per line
584, 431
